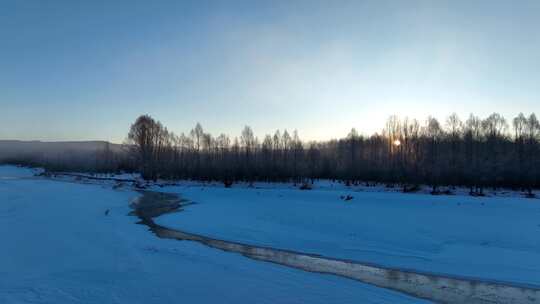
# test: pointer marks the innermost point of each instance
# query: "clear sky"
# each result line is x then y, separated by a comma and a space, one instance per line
79, 70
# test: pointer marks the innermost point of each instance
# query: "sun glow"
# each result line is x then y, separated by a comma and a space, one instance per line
397, 142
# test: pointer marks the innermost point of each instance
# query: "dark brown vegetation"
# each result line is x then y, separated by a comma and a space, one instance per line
477, 153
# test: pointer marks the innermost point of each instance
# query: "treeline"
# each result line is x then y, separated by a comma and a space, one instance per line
476, 153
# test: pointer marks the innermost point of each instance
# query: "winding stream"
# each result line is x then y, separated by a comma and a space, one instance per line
438, 288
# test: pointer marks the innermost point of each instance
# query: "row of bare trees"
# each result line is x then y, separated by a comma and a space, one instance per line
477, 153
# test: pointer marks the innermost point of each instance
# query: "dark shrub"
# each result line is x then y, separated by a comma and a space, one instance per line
305, 186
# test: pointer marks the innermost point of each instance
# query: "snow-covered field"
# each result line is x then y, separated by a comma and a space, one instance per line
59, 246
490, 238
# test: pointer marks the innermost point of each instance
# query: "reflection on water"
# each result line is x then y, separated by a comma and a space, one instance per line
442, 289
153, 204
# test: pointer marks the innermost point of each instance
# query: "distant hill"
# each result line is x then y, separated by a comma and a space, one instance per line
42, 149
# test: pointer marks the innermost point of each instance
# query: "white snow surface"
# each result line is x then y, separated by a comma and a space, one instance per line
489, 238
58, 246
11, 172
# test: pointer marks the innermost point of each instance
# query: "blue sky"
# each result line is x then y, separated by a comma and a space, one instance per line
79, 70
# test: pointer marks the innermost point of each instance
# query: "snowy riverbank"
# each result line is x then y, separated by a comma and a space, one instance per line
494, 238
59, 247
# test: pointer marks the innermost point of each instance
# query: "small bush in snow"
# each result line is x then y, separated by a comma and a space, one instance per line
305, 186
346, 198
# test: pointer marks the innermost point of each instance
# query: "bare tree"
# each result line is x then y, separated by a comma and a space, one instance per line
143, 137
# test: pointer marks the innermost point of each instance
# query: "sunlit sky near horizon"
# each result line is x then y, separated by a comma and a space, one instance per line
84, 70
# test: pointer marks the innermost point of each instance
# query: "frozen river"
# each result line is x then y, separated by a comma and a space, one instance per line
68, 242
60, 245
